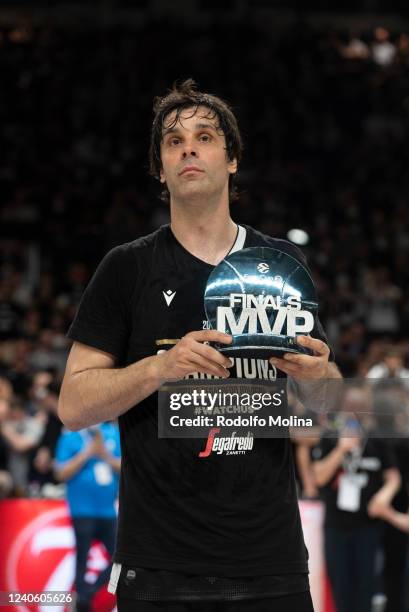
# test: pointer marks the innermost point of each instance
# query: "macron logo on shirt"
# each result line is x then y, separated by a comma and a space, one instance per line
169, 295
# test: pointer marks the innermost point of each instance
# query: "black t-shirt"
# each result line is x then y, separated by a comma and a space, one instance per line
223, 516
400, 447
375, 457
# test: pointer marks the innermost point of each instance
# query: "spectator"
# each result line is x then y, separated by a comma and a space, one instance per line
49, 352
89, 461
403, 48
356, 474
356, 49
22, 434
392, 366
43, 460
383, 51
383, 303
390, 410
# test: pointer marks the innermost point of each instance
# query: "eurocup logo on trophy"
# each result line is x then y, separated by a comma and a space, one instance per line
264, 298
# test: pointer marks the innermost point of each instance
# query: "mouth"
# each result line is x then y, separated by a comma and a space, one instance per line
187, 169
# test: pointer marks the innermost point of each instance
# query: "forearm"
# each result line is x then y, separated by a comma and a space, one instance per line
101, 394
71, 467
305, 466
18, 442
391, 486
325, 469
400, 520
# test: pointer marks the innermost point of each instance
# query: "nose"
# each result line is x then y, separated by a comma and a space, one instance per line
189, 147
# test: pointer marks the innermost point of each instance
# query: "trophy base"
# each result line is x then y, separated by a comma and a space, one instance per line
261, 346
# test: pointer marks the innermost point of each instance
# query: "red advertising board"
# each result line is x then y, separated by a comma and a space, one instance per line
38, 553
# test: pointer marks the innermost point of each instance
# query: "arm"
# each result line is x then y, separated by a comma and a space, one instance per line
308, 367
94, 390
95, 448
325, 469
400, 520
302, 454
19, 442
386, 493
308, 375
71, 467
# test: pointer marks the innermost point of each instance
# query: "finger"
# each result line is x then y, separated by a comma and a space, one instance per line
305, 361
279, 362
316, 345
210, 335
211, 354
200, 364
288, 368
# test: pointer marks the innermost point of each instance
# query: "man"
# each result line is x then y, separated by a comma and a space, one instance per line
357, 475
47, 399
89, 462
389, 388
392, 366
191, 528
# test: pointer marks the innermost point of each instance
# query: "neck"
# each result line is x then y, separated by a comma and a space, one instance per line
208, 232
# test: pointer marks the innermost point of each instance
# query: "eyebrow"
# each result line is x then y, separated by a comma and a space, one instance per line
198, 126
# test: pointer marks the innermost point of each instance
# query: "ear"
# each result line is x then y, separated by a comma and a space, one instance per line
232, 166
162, 176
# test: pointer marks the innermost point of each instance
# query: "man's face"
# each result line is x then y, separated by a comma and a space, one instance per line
393, 363
193, 154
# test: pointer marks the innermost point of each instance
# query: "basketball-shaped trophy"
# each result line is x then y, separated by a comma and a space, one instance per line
264, 298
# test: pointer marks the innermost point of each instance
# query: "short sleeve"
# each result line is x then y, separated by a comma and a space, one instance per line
101, 318
65, 449
387, 455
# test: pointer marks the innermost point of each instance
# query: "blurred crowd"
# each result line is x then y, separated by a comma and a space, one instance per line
325, 120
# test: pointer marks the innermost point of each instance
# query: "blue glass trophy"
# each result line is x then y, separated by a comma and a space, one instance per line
264, 298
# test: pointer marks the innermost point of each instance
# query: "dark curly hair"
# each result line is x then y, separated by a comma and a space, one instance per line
185, 95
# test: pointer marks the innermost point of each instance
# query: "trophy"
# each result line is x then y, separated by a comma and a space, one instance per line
264, 298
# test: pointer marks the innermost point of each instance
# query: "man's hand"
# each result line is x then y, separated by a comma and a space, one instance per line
99, 447
348, 444
96, 447
191, 355
305, 366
